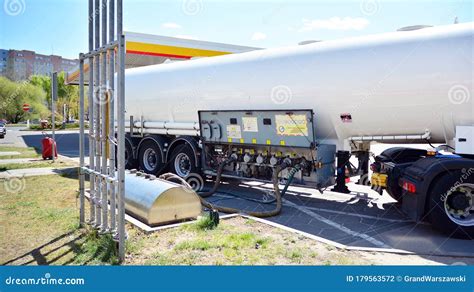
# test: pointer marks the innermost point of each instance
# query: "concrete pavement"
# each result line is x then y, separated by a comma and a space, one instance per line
35, 172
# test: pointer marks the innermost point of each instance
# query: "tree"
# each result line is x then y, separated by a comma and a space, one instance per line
67, 95
14, 95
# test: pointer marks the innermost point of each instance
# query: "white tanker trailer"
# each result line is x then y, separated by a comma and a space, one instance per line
308, 108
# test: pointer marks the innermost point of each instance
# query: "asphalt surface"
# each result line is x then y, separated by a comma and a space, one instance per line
67, 141
361, 219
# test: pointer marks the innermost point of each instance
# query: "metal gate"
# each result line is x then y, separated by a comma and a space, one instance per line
106, 106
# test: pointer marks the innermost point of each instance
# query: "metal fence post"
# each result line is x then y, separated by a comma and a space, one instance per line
98, 219
91, 115
111, 138
54, 97
121, 131
81, 140
103, 124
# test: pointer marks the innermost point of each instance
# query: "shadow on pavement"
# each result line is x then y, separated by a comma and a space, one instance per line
67, 143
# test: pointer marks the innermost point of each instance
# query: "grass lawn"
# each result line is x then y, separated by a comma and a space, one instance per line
236, 241
25, 152
39, 220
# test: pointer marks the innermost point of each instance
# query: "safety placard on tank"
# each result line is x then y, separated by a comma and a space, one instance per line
234, 132
291, 125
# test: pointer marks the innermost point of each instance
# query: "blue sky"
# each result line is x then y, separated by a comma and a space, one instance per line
60, 26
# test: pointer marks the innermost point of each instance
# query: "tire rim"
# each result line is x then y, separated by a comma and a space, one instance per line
459, 204
182, 165
150, 159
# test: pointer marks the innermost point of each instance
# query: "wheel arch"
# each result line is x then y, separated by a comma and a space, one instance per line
424, 173
192, 142
159, 141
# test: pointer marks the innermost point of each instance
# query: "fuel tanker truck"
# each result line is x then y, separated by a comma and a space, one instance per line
308, 109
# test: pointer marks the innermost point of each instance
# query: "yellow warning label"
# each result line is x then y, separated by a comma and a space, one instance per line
234, 132
291, 125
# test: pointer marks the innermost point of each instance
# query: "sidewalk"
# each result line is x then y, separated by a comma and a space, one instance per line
19, 160
9, 153
35, 172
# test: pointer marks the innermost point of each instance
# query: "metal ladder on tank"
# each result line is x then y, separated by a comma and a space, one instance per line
106, 175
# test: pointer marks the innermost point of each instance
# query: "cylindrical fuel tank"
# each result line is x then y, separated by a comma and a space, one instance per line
404, 82
156, 201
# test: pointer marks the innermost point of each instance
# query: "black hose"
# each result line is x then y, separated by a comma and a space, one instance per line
223, 209
291, 175
220, 170
262, 214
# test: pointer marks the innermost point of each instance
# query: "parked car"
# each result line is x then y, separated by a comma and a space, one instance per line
3, 130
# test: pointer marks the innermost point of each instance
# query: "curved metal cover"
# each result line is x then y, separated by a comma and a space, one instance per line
158, 201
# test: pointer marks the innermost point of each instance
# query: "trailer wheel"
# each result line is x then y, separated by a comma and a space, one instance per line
130, 161
183, 161
150, 158
451, 205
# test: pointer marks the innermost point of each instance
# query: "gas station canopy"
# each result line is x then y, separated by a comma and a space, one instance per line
146, 49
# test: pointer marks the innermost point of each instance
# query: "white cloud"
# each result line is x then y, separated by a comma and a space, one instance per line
171, 25
257, 36
335, 23
185, 36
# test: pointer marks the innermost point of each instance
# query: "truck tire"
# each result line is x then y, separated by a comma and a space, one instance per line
451, 192
130, 161
183, 161
150, 158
